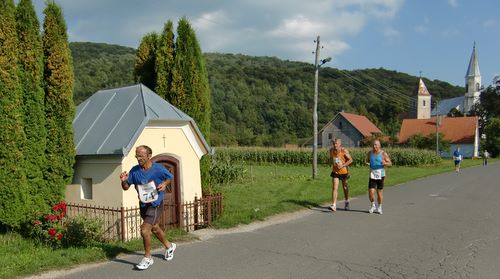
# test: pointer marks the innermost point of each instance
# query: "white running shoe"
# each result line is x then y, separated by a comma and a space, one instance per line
145, 263
372, 208
333, 207
169, 253
379, 209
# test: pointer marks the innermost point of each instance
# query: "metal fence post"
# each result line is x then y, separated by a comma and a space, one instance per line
196, 204
122, 220
209, 209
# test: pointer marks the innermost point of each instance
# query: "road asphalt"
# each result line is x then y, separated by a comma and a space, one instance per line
443, 226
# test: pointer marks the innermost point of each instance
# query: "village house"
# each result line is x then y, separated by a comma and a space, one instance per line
349, 127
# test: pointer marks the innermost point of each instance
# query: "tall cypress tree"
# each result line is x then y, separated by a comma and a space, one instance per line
181, 74
165, 61
14, 200
190, 86
59, 107
31, 64
190, 79
184, 83
144, 68
201, 88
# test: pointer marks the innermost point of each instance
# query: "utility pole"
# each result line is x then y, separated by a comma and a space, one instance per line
437, 125
315, 112
317, 65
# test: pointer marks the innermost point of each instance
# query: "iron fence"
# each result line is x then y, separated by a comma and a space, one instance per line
124, 223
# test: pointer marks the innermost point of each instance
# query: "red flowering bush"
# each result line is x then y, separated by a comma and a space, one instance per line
57, 230
49, 229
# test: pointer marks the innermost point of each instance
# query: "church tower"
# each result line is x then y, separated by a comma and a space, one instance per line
472, 82
423, 101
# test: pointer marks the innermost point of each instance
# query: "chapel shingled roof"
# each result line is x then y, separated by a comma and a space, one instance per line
109, 122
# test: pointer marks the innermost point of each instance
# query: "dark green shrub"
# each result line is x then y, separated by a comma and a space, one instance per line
83, 231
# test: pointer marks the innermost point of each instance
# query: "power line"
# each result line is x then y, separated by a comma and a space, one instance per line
398, 100
388, 88
395, 99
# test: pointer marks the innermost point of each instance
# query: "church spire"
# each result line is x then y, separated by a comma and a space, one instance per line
473, 69
472, 82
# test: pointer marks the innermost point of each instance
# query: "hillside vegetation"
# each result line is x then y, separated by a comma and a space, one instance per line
265, 101
100, 66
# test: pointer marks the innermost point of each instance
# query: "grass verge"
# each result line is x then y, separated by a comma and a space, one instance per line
21, 257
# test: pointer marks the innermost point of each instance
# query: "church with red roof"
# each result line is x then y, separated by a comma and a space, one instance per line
460, 131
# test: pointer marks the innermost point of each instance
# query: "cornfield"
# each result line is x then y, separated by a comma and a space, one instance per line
261, 155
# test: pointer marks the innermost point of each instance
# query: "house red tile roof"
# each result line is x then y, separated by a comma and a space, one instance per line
455, 129
363, 124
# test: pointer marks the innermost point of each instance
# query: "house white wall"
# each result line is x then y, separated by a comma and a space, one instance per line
174, 141
103, 171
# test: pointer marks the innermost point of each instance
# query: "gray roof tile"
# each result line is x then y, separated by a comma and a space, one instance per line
109, 122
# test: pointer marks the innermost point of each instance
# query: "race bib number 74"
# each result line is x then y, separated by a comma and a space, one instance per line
148, 192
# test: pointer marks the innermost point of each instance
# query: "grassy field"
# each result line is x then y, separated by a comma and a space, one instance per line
264, 191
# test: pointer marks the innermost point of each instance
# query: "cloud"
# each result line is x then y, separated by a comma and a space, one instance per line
336, 47
422, 28
298, 26
211, 20
390, 32
385, 9
256, 27
489, 23
451, 32
453, 3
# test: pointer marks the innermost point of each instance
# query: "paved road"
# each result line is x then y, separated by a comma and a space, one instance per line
445, 226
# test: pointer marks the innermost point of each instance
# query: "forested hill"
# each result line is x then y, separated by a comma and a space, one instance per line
265, 100
99, 66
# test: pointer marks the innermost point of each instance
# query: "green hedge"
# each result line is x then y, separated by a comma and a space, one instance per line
259, 155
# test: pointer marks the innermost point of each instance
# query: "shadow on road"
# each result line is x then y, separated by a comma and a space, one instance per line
304, 203
132, 264
321, 208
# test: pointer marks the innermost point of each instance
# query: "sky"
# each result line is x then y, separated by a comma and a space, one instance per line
431, 38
